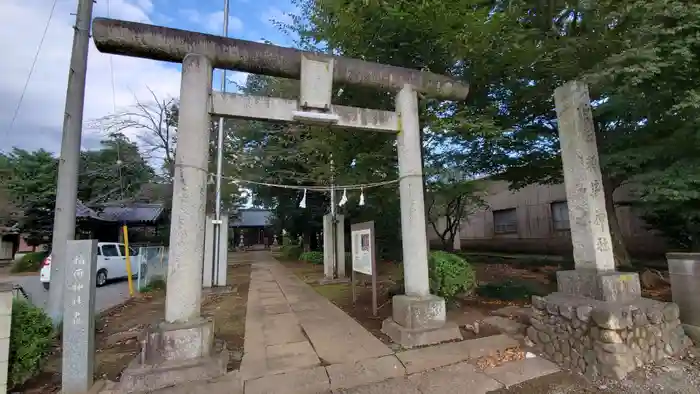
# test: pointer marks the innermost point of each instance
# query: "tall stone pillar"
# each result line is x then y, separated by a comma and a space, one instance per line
598, 314
189, 192
183, 348
418, 318
413, 225
590, 233
595, 274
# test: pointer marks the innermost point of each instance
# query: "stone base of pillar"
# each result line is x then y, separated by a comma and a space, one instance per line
605, 338
605, 286
419, 321
174, 354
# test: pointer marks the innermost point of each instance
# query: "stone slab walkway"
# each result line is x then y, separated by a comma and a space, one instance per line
289, 326
298, 342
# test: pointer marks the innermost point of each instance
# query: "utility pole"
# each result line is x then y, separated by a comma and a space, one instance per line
219, 170
67, 190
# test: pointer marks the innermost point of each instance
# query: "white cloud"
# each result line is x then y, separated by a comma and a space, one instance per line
212, 22
40, 118
274, 15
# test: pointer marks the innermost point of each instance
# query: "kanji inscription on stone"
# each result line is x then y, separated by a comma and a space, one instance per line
79, 316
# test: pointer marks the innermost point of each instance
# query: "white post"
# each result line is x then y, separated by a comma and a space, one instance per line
413, 226
186, 253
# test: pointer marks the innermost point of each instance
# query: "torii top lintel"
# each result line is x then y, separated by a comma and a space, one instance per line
167, 44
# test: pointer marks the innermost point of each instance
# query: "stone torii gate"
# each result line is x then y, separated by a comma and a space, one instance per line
418, 316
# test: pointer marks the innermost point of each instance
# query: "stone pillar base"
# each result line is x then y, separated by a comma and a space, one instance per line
174, 353
602, 338
419, 321
600, 285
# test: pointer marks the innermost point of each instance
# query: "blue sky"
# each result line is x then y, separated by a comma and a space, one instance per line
248, 20
114, 83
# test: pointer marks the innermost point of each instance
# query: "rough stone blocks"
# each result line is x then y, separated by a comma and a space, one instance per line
603, 338
604, 286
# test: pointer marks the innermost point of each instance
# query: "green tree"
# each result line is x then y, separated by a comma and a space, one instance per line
300, 155
115, 172
32, 187
638, 57
450, 199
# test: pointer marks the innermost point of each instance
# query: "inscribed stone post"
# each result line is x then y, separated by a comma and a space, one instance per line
590, 233
5, 330
79, 316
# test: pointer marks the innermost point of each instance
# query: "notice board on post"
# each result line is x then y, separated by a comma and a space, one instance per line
364, 257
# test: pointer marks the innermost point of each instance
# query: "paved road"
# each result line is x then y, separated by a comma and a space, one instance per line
108, 296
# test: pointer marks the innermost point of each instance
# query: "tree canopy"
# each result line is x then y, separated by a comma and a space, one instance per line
115, 172
639, 57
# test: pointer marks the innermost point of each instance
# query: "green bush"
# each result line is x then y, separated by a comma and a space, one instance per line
291, 252
509, 290
30, 262
30, 341
449, 274
312, 257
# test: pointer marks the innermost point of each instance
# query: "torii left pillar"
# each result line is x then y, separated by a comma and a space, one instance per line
185, 339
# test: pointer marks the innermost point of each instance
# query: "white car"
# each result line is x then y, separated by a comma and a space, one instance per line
111, 264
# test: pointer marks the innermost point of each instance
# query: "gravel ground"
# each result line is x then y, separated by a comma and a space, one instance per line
679, 375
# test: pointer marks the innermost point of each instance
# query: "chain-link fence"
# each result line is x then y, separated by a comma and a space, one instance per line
153, 265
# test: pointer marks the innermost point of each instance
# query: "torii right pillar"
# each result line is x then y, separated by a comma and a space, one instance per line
597, 323
418, 317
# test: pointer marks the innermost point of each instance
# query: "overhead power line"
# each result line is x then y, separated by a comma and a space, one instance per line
31, 69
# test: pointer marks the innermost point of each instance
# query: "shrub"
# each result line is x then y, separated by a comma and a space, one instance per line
30, 262
30, 341
291, 252
449, 274
312, 257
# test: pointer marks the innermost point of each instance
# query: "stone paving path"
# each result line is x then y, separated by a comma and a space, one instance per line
298, 342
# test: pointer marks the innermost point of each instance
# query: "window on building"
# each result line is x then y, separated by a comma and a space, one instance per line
560, 215
505, 221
